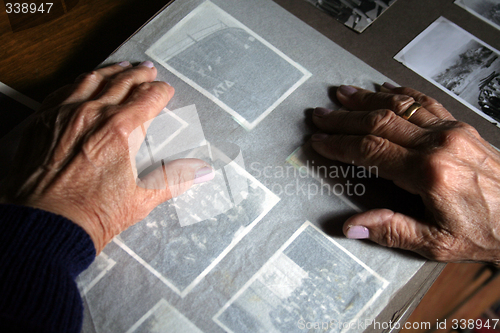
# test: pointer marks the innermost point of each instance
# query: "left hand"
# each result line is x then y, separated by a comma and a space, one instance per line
77, 158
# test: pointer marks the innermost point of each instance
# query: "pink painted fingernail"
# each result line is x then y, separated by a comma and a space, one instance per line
124, 63
319, 137
347, 90
389, 85
147, 63
321, 112
203, 175
358, 232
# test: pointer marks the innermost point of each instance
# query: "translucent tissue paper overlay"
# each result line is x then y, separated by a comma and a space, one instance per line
178, 134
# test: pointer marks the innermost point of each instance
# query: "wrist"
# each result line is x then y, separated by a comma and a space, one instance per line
94, 230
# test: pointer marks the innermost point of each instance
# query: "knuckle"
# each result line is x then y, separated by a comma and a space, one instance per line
407, 91
391, 237
156, 93
334, 146
395, 235
466, 128
428, 101
378, 120
454, 138
436, 171
85, 114
120, 127
88, 78
373, 146
399, 103
126, 79
88, 108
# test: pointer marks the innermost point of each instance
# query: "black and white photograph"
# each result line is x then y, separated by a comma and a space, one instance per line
181, 256
486, 10
228, 63
458, 63
311, 279
356, 14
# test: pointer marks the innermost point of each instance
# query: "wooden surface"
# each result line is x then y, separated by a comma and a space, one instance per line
37, 60
458, 293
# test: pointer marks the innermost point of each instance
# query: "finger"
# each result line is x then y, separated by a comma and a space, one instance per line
383, 123
358, 99
391, 160
120, 86
396, 230
145, 103
125, 125
88, 85
176, 177
429, 103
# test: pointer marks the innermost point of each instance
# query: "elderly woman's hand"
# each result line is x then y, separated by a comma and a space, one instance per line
77, 159
446, 162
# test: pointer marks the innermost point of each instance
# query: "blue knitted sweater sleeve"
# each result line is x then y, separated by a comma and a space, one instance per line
41, 254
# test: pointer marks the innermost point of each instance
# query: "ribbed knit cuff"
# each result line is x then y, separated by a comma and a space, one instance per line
41, 254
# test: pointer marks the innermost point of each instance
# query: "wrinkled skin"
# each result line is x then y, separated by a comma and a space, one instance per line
444, 161
75, 160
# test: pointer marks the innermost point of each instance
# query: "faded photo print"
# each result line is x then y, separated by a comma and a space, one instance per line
486, 10
356, 14
228, 63
460, 64
310, 279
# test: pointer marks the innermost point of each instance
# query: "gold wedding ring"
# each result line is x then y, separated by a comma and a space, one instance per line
411, 110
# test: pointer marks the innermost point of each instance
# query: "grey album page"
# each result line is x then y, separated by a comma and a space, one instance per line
259, 248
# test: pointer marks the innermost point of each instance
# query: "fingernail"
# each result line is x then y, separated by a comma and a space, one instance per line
203, 175
321, 112
124, 63
347, 90
358, 232
147, 64
319, 137
168, 83
389, 85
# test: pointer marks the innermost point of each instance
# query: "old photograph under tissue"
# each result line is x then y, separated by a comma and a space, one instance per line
486, 10
183, 239
311, 279
460, 64
163, 317
228, 63
182, 256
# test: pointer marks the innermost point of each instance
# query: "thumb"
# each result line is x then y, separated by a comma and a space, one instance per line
388, 228
177, 177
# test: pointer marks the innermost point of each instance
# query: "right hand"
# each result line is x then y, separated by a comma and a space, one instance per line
446, 162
